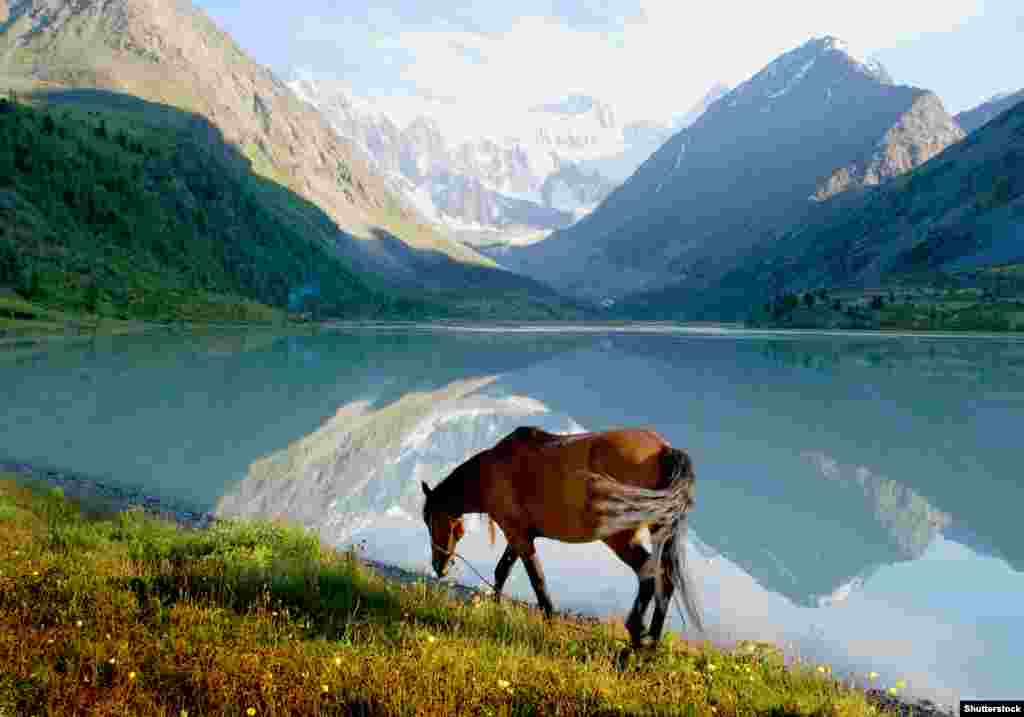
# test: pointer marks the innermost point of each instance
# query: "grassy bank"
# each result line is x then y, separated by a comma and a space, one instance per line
125, 614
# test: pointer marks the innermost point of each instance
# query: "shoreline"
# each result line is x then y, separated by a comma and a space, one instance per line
27, 338
102, 496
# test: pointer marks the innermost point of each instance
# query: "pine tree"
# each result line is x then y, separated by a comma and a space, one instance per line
92, 298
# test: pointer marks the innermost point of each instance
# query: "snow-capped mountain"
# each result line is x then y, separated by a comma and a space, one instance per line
814, 122
562, 160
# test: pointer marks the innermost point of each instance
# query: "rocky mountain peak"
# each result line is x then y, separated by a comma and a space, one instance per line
871, 67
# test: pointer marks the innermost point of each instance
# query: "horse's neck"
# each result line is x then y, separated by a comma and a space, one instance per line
462, 492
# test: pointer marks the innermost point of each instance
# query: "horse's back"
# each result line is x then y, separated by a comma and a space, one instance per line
630, 455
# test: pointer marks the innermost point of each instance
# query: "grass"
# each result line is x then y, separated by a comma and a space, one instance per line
126, 614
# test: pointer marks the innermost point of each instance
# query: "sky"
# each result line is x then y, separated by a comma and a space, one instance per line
650, 59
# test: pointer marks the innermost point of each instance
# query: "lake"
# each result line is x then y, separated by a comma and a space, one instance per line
858, 496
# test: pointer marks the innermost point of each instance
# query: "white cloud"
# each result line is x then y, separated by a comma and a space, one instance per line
657, 65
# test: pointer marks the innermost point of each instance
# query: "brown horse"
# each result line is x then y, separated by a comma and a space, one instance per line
577, 488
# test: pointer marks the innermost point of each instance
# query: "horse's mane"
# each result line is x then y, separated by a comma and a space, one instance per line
538, 436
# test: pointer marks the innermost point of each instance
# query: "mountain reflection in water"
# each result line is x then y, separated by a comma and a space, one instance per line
856, 496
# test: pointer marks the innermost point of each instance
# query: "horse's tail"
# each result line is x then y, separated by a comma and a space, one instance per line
624, 507
679, 469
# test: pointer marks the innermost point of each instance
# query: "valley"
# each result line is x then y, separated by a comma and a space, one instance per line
566, 209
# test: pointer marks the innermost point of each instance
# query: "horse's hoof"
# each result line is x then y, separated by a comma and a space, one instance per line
645, 643
622, 660
637, 638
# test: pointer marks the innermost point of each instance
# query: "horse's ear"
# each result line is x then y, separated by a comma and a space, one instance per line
426, 489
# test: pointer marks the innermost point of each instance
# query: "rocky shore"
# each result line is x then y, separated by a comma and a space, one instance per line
108, 497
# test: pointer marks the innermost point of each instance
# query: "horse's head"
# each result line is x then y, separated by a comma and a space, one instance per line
445, 530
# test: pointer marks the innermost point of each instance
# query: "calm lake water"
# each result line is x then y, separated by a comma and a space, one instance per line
858, 497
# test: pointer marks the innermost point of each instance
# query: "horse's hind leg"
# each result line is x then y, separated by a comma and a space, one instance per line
661, 601
627, 546
501, 570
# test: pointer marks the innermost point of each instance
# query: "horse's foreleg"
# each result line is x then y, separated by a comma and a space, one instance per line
501, 570
532, 563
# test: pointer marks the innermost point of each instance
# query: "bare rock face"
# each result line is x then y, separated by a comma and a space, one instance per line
918, 135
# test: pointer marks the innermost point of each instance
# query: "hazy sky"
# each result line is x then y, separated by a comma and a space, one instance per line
651, 59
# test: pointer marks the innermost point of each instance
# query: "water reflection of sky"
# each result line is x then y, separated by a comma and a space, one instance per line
857, 496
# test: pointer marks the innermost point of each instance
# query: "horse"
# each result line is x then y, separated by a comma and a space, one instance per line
577, 488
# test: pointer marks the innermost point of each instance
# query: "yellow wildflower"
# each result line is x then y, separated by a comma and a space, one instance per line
892, 690
821, 669
872, 675
78, 623
503, 684
431, 638
325, 688
251, 711
900, 684
131, 675
337, 661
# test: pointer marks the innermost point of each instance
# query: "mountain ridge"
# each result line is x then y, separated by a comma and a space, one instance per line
988, 110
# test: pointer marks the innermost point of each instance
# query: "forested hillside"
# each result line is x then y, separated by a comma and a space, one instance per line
101, 214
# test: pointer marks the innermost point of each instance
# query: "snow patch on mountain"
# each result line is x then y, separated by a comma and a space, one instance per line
679, 156
791, 83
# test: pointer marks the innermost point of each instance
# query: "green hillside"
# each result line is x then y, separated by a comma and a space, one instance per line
105, 215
